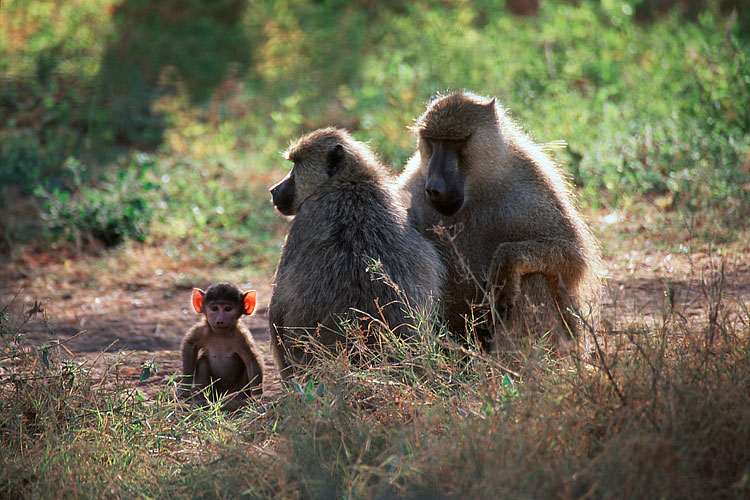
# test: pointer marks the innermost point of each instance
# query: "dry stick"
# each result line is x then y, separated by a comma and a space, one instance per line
603, 361
11, 378
656, 374
713, 311
2, 311
97, 359
483, 357
45, 377
65, 341
496, 317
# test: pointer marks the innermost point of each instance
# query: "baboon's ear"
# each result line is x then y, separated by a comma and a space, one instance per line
336, 157
490, 106
249, 300
198, 300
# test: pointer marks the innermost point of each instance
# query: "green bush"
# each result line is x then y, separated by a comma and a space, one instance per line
117, 210
648, 109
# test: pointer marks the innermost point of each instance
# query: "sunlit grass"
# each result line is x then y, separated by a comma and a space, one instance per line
648, 109
657, 409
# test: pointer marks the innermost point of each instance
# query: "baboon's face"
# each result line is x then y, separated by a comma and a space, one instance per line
303, 180
446, 141
222, 316
284, 194
316, 159
445, 179
222, 304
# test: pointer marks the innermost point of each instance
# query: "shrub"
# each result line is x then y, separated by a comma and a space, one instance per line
116, 210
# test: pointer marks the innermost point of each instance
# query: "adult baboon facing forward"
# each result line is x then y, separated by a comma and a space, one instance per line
347, 211
512, 228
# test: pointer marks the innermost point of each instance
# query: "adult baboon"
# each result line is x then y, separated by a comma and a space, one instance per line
348, 214
511, 233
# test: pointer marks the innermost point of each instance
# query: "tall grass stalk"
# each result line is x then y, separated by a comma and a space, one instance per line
660, 411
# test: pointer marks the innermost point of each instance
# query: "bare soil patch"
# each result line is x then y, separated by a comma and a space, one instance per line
122, 320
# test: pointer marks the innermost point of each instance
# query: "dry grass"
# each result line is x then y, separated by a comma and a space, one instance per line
660, 410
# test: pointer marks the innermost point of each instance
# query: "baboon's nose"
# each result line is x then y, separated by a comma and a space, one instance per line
275, 195
435, 189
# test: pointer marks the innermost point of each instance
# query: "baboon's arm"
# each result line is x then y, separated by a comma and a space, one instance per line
560, 261
252, 368
190, 348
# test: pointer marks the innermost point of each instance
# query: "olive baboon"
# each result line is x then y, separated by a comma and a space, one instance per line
511, 231
348, 213
219, 352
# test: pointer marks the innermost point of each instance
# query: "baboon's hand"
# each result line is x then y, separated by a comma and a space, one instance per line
185, 387
505, 283
198, 402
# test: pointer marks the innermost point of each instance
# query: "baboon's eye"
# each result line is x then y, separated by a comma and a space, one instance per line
463, 142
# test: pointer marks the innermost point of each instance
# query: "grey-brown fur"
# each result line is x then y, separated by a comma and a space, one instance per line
347, 210
516, 237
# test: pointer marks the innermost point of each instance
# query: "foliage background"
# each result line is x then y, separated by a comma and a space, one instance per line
183, 106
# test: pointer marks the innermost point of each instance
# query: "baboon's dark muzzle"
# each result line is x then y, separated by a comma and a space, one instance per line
282, 195
445, 183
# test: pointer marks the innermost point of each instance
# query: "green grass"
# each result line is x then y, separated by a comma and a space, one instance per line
653, 109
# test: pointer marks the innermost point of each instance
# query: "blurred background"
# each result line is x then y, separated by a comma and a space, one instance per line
160, 123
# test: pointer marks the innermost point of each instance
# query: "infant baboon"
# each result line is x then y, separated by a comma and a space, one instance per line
510, 225
219, 351
348, 214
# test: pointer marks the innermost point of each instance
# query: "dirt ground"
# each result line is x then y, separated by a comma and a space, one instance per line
128, 318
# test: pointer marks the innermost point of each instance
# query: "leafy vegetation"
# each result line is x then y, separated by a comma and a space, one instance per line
109, 214
653, 109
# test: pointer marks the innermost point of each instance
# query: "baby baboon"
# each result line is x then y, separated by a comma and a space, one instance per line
219, 351
511, 227
348, 215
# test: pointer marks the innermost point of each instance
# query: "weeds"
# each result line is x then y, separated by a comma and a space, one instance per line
106, 215
653, 110
660, 411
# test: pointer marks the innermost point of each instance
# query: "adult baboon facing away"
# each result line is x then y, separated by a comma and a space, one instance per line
511, 226
348, 212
